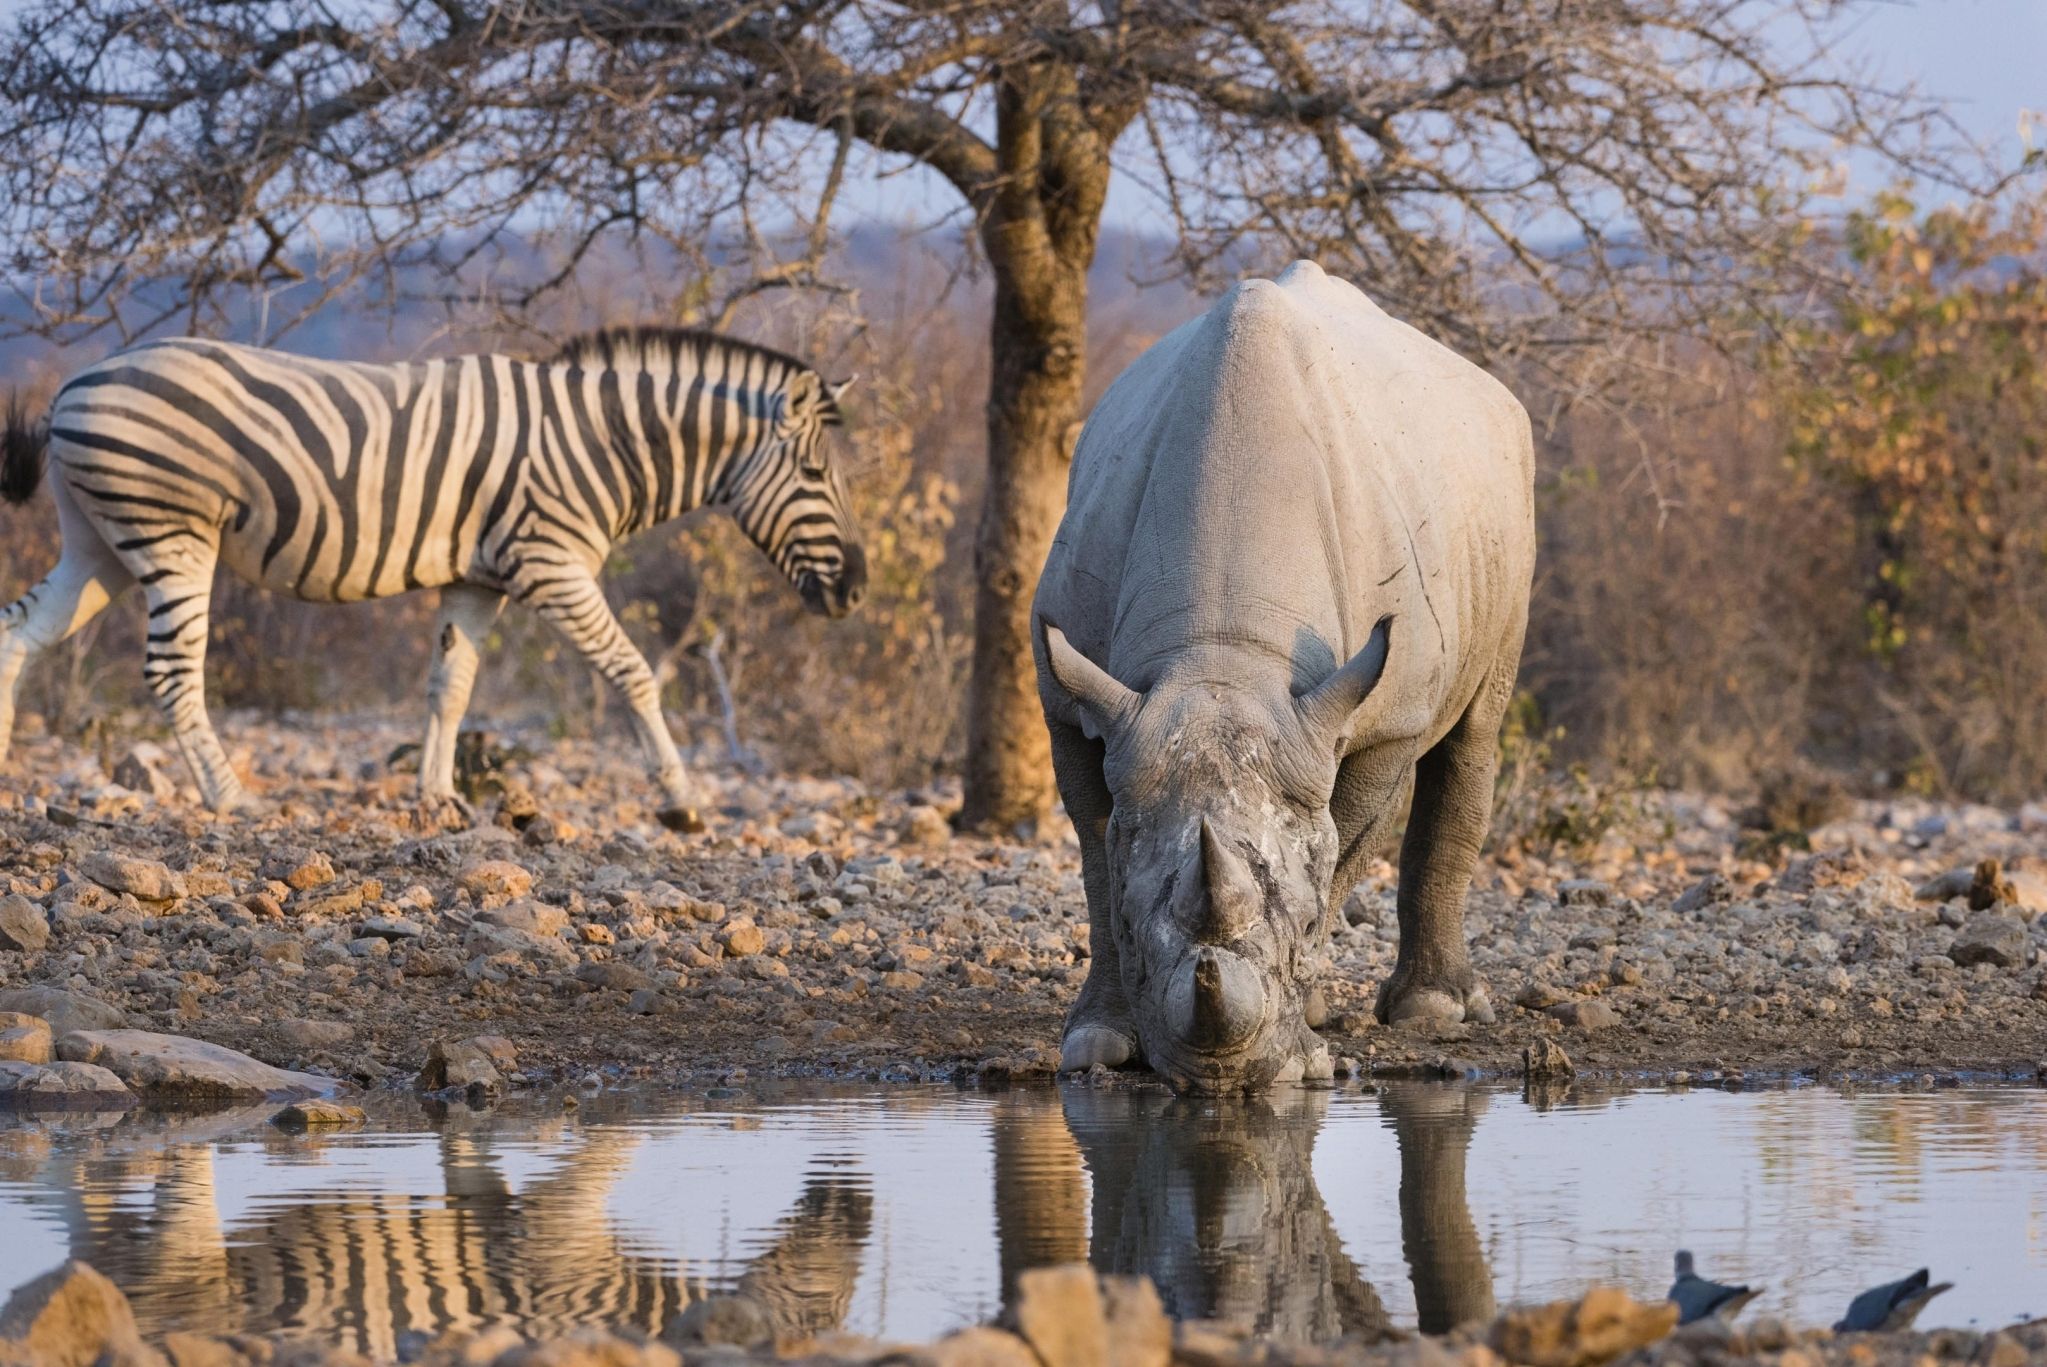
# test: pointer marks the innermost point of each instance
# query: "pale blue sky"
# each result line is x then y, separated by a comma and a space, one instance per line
1989, 57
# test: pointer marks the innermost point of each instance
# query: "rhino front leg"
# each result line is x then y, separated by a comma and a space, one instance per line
1446, 825
1099, 1028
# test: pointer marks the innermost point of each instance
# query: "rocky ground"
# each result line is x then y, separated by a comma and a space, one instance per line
820, 927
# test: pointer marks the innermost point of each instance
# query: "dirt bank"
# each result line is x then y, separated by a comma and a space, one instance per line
820, 927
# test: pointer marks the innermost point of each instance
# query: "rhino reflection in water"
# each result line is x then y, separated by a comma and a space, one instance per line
1216, 1202
360, 1270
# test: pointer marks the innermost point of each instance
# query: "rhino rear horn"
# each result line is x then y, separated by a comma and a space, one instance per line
1105, 705
1327, 708
1233, 896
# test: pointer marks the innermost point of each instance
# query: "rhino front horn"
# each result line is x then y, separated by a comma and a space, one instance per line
1231, 896
1216, 1002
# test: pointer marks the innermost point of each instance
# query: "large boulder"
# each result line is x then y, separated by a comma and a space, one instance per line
62, 1087
72, 1317
65, 1011
174, 1068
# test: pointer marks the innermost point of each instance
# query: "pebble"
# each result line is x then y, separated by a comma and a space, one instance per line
23, 925
742, 938
495, 878
1592, 1014
1989, 937
146, 880
317, 1115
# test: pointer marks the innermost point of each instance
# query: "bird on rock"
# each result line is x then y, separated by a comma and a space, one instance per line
1894, 1305
1696, 1298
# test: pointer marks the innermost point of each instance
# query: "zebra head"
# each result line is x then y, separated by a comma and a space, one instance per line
789, 499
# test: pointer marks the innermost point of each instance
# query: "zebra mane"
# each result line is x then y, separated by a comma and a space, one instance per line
651, 347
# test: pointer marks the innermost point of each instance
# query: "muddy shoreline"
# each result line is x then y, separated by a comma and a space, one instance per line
822, 930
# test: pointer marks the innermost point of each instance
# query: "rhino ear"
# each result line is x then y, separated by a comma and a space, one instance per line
1105, 705
1326, 709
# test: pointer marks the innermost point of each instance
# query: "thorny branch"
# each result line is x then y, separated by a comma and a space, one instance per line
1524, 177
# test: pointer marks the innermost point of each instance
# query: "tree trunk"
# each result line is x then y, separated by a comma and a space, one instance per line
1039, 234
1033, 411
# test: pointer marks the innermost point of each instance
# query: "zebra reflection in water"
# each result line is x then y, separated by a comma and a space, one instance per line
364, 1270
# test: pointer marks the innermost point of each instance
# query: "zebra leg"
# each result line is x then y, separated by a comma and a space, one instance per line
174, 667
86, 579
466, 616
573, 603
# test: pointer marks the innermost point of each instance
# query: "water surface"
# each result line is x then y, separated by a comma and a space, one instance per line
905, 1212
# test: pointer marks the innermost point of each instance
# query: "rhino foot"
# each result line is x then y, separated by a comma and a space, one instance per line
1448, 999
1086, 1045
1312, 1064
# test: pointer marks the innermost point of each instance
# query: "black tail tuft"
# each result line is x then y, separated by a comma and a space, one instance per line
22, 442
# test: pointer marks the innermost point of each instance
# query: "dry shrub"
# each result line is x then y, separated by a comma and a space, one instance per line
1688, 589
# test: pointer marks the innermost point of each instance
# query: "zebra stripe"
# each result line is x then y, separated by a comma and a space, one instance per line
361, 1270
484, 476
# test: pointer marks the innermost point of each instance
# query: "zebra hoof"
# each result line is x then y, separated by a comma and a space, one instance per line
683, 819
448, 813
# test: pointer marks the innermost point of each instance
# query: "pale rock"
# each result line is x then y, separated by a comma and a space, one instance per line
299, 870
495, 878
146, 880
924, 827
1140, 1334
528, 915
62, 1087
618, 976
25, 1039
174, 1068
480, 1059
145, 769
1989, 937
1596, 1328
980, 1346
313, 1034
1589, 1014
72, 1316
488, 941
317, 1115
1710, 891
65, 1011
23, 925
741, 938
393, 928
1059, 1312
1546, 1061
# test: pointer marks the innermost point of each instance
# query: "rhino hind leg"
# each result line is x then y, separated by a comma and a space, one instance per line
1099, 1027
1453, 798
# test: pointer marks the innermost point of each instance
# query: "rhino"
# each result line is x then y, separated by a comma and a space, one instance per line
1286, 601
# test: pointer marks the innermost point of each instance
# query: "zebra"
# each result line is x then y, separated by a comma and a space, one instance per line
484, 476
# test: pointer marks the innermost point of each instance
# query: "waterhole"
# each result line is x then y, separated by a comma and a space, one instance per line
905, 1212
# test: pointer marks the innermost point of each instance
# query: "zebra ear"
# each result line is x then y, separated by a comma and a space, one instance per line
833, 393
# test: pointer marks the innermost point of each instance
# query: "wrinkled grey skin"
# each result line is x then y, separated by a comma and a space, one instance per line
1292, 576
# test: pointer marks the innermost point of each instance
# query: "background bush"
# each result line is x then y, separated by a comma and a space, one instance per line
1824, 551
